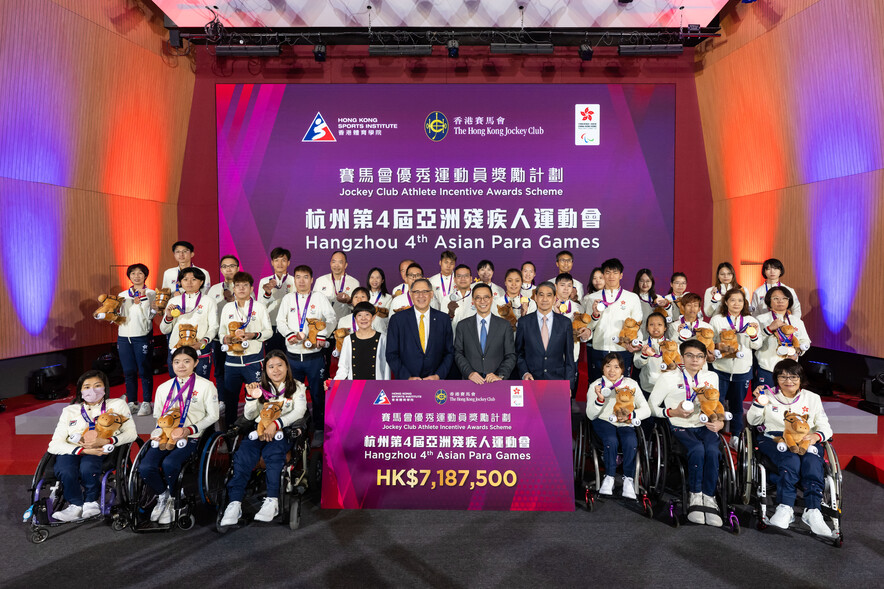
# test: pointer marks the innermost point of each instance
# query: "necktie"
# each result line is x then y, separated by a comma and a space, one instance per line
544, 333
423, 333
483, 335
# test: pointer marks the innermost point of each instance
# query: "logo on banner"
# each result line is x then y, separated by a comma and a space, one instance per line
586, 124
382, 399
441, 397
318, 131
517, 396
436, 126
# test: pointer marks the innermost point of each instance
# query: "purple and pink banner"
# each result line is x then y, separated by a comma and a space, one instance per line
448, 445
506, 172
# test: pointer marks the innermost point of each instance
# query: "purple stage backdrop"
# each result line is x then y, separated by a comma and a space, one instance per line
448, 445
504, 172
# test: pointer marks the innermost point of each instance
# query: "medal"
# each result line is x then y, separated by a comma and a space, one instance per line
685, 333
751, 331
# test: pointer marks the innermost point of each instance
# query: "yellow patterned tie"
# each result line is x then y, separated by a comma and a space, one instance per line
423, 334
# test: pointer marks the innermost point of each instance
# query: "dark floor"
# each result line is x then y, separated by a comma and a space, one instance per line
612, 546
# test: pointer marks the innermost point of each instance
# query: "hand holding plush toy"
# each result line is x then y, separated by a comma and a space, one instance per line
108, 311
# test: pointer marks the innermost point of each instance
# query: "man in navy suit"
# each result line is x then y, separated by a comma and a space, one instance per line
420, 344
545, 341
483, 343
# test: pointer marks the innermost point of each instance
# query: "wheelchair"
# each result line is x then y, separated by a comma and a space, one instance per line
186, 495
668, 477
589, 446
46, 493
298, 474
758, 479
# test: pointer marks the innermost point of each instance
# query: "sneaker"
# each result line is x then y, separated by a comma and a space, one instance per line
232, 514
695, 502
69, 514
607, 487
168, 514
318, 436
145, 409
712, 519
628, 488
133, 408
783, 516
160, 507
814, 519
268, 511
221, 408
91, 509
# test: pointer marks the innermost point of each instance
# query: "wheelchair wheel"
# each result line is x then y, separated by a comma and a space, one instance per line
216, 461
38, 535
745, 465
140, 497
657, 453
186, 522
120, 523
295, 514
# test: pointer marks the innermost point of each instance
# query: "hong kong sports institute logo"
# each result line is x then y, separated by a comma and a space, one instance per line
318, 131
436, 126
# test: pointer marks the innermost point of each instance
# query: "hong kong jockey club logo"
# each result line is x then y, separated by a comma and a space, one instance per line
441, 397
319, 131
382, 399
436, 126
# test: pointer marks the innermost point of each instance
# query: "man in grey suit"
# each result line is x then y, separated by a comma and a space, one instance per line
483, 344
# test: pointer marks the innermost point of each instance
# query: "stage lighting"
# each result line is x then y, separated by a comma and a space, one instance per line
668, 49
319, 52
49, 382
748, 1
585, 52
402, 50
248, 50
453, 48
873, 395
522, 48
694, 29
819, 377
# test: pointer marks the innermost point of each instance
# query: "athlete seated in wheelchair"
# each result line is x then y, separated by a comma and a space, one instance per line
615, 407
792, 436
79, 476
692, 437
186, 408
275, 411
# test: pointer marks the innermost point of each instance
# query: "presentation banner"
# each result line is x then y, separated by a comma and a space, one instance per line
506, 172
448, 445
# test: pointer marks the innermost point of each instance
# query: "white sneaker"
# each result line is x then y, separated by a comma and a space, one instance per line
145, 409
221, 407
133, 408
268, 511
607, 487
232, 513
712, 519
628, 488
160, 507
814, 519
91, 509
783, 516
69, 514
168, 514
695, 516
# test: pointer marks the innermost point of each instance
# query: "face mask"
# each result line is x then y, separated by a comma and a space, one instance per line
93, 395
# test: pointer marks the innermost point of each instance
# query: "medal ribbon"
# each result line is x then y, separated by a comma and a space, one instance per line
183, 404
689, 393
88, 419
302, 320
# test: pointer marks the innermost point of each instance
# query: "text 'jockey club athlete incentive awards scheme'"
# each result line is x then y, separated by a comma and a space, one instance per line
386, 171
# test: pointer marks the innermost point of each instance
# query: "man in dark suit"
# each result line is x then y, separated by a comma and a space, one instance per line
545, 341
483, 343
419, 340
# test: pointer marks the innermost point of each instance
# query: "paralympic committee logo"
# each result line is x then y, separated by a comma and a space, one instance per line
441, 397
319, 131
436, 126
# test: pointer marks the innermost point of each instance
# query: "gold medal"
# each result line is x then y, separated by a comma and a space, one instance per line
751, 331
563, 308
524, 300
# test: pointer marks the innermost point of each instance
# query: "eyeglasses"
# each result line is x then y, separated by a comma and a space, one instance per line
414, 275
694, 357
229, 266
482, 298
565, 260
789, 378
181, 252
421, 292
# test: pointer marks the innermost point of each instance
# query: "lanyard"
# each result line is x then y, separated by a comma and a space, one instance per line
184, 302
613, 386
605, 298
281, 282
88, 419
561, 307
249, 316
767, 287
269, 395
445, 291
353, 317
183, 404
647, 301
408, 296
785, 316
776, 391
689, 393
378, 299
302, 320
693, 328
731, 323
343, 280
657, 353
132, 293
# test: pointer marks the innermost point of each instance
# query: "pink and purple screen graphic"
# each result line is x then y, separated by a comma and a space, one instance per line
503, 172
